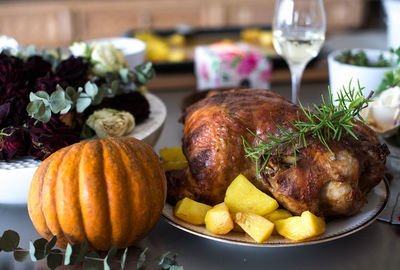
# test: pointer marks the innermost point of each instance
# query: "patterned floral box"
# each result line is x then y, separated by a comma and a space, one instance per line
225, 65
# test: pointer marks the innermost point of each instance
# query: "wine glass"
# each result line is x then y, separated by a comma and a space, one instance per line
298, 34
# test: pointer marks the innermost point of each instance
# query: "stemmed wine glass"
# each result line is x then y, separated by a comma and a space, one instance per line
298, 34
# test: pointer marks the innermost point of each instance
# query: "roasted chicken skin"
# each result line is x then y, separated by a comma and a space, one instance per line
325, 184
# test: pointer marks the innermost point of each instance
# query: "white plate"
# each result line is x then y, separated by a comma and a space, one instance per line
16, 175
336, 228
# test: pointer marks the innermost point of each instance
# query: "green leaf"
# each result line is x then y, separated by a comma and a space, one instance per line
142, 259
110, 255
40, 95
78, 252
30, 51
68, 254
91, 89
83, 102
114, 87
20, 254
37, 249
50, 244
54, 259
44, 115
176, 267
9, 241
123, 73
141, 79
57, 101
90, 264
123, 259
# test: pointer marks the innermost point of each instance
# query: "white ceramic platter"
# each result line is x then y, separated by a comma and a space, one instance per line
337, 228
16, 175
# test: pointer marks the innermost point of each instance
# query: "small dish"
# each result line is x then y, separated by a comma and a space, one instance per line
335, 229
133, 49
341, 74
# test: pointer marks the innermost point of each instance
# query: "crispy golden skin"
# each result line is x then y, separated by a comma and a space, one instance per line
320, 182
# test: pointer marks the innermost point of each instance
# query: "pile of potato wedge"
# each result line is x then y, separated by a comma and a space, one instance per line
245, 208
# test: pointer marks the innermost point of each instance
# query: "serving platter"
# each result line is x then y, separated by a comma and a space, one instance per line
335, 229
16, 175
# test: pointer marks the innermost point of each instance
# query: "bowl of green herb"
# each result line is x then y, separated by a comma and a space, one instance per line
364, 66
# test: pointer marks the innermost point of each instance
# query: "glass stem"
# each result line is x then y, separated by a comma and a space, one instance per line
296, 72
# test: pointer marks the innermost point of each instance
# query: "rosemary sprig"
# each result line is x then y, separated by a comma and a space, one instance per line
326, 122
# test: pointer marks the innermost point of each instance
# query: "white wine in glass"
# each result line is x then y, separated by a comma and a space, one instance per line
298, 34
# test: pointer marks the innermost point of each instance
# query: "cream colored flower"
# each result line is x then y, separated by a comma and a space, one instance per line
80, 49
111, 123
106, 58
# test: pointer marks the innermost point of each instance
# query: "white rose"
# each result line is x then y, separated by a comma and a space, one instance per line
111, 123
107, 58
80, 49
384, 112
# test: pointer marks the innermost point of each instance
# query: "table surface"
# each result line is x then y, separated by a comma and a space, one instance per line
374, 247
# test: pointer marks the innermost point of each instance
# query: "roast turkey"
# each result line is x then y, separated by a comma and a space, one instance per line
324, 183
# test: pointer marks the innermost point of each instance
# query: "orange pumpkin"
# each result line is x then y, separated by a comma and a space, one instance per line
110, 192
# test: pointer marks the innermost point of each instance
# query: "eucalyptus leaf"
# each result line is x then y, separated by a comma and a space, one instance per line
83, 102
91, 263
91, 89
40, 95
123, 259
114, 87
176, 267
37, 249
141, 79
30, 51
34, 107
50, 244
68, 254
9, 241
44, 115
20, 254
123, 73
79, 252
54, 259
110, 255
57, 101
99, 97
142, 259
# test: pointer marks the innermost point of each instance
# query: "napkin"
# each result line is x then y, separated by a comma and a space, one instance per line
392, 212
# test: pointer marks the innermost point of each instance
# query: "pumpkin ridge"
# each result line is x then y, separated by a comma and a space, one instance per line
61, 237
40, 179
143, 187
81, 225
101, 142
125, 176
154, 176
127, 162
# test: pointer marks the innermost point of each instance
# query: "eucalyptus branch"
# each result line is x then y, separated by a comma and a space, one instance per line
326, 122
43, 249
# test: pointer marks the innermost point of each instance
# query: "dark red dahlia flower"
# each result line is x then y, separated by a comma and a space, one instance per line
72, 72
36, 67
13, 142
48, 137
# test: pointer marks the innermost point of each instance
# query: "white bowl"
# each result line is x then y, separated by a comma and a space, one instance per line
133, 49
341, 74
16, 175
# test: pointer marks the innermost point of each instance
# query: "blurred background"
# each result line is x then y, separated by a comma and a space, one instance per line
172, 28
58, 23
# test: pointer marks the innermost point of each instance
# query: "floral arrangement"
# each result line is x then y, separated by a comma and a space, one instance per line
47, 100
